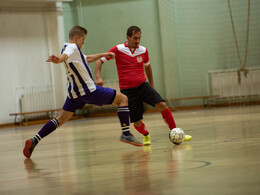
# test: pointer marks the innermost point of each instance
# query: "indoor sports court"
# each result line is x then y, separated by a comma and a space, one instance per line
85, 157
205, 59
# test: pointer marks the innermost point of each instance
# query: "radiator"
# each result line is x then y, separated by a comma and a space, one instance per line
35, 98
225, 83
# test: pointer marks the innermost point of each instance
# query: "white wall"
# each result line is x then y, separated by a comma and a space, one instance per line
28, 36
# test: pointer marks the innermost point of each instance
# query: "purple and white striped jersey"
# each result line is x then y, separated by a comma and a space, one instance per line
79, 76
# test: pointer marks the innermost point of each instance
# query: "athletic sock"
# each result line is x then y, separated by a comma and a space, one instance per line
168, 118
142, 129
46, 130
123, 115
37, 138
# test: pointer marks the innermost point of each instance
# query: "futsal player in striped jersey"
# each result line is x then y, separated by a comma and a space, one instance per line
132, 61
82, 89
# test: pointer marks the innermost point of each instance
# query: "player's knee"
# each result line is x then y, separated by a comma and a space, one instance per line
123, 99
161, 106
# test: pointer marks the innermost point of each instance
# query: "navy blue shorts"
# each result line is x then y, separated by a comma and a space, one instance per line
137, 96
101, 96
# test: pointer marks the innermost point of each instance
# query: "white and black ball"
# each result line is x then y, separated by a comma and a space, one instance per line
176, 136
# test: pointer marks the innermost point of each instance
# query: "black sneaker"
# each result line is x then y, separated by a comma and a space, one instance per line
29, 147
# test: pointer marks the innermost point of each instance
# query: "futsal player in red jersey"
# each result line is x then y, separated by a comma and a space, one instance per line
132, 61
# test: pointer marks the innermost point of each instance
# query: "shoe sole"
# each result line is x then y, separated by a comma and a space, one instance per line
27, 146
132, 143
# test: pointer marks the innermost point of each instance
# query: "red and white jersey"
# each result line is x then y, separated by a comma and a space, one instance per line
130, 65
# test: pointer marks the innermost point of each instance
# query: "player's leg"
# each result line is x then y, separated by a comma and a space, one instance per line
66, 113
103, 96
166, 114
168, 118
136, 107
123, 114
48, 128
152, 97
140, 127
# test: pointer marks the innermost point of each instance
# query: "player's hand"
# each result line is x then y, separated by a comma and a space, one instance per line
53, 59
99, 82
110, 55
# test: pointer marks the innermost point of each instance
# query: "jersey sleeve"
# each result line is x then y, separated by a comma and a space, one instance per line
69, 49
114, 50
146, 58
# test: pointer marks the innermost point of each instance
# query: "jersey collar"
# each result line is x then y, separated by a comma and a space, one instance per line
132, 51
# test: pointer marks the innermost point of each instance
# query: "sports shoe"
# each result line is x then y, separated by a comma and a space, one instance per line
146, 140
187, 138
130, 139
29, 147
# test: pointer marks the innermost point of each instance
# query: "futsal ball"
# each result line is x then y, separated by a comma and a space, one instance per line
176, 136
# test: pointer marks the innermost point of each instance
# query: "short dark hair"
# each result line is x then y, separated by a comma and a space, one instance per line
132, 29
77, 30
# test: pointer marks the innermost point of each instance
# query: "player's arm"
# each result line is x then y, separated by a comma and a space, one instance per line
99, 63
149, 74
98, 67
57, 59
95, 57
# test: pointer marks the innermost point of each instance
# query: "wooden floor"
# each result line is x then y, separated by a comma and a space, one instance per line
86, 157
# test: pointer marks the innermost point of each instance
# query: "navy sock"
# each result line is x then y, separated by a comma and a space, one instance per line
46, 130
123, 115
